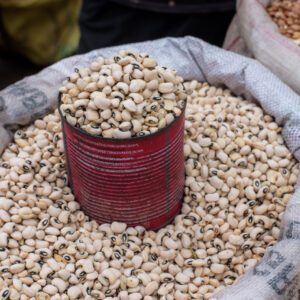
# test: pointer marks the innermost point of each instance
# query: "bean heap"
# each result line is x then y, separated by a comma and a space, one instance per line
286, 14
239, 178
121, 97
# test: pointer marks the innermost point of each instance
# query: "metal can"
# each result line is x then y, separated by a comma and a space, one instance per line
139, 180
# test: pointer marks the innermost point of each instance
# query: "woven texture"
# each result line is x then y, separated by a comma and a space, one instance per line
276, 276
254, 34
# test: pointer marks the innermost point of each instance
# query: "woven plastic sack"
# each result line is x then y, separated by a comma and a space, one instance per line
277, 275
253, 33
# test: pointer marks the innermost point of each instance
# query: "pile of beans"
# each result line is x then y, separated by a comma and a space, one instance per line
286, 14
239, 178
121, 97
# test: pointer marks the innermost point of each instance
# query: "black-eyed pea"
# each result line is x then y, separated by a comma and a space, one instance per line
244, 223
29, 232
232, 221
181, 278
52, 231
241, 210
233, 194
17, 268
26, 290
214, 197
4, 293
268, 239
132, 282
14, 244
74, 292
179, 295
169, 119
149, 63
14, 294
260, 209
97, 294
17, 235
92, 276
88, 266
247, 246
60, 284
64, 274
209, 189
135, 296
3, 239
170, 244
148, 266
136, 126
275, 232
256, 233
42, 296
17, 284
151, 121
73, 280
236, 240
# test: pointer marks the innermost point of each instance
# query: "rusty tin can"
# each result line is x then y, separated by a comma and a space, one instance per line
139, 180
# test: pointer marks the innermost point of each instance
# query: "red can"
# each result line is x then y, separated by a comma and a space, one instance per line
139, 180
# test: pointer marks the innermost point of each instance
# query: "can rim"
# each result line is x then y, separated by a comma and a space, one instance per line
122, 139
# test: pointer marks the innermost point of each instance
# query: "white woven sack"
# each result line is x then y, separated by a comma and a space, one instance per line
276, 276
253, 33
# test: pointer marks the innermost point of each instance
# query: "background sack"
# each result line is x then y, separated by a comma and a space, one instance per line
277, 275
253, 33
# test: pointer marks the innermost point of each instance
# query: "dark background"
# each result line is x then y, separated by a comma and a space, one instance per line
106, 23
14, 67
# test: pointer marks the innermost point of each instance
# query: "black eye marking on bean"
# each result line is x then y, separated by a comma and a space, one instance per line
43, 253
67, 257
117, 58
